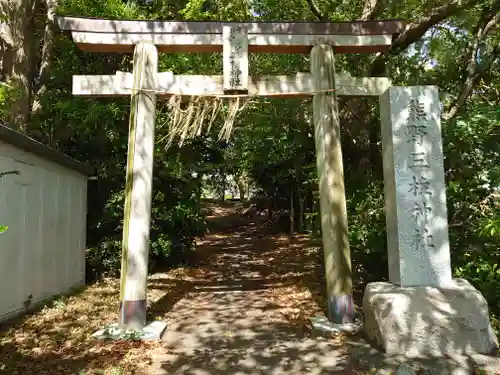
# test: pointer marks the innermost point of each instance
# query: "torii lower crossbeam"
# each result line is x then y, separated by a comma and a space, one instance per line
301, 85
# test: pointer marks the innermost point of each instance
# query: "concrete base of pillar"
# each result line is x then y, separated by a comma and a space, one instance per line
323, 327
152, 332
428, 321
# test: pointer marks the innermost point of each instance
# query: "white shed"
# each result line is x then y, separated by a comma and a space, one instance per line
43, 201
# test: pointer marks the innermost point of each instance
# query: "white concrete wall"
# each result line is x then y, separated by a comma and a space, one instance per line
43, 251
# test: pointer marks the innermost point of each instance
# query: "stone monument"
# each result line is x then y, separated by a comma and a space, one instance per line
421, 310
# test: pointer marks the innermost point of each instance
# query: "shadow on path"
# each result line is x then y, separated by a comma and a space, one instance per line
244, 308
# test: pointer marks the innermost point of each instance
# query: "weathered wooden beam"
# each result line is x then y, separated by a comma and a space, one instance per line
138, 189
280, 37
338, 269
124, 43
99, 25
301, 84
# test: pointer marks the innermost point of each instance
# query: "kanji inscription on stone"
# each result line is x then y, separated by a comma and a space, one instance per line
422, 240
414, 187
420, 186
416, 127
418, 160
421, 212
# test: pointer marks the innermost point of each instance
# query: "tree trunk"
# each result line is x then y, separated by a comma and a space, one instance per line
47, 53
223, 185
269, 209
241, 190
374, 150
298, 168
17, 32
300, 216
292, 217
7, 61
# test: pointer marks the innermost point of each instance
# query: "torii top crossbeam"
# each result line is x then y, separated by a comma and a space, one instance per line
101, 35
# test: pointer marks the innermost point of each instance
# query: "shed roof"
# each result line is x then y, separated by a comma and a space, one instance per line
28, 144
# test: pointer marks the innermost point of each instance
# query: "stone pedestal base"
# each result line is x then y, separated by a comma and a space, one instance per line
428, 321
152, 332
323, 327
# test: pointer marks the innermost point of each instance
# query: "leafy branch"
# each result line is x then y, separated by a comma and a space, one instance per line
474, 71
316, 11
371, 9
415, 30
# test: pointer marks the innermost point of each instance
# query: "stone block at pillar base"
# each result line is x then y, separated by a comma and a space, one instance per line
323, 327
428, 321
152, 332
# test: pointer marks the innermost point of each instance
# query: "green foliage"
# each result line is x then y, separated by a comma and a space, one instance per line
367, 235
484, 275
113, 9
8, 95
491, 228
473, 174
176, 221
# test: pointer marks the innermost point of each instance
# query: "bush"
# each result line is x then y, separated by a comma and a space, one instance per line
176, 221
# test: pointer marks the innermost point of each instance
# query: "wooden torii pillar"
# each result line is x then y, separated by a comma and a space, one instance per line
146, 38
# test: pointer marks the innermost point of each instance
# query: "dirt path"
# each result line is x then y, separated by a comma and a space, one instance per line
245, 309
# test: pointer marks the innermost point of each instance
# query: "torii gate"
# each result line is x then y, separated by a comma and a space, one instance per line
417, 227
235, 40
